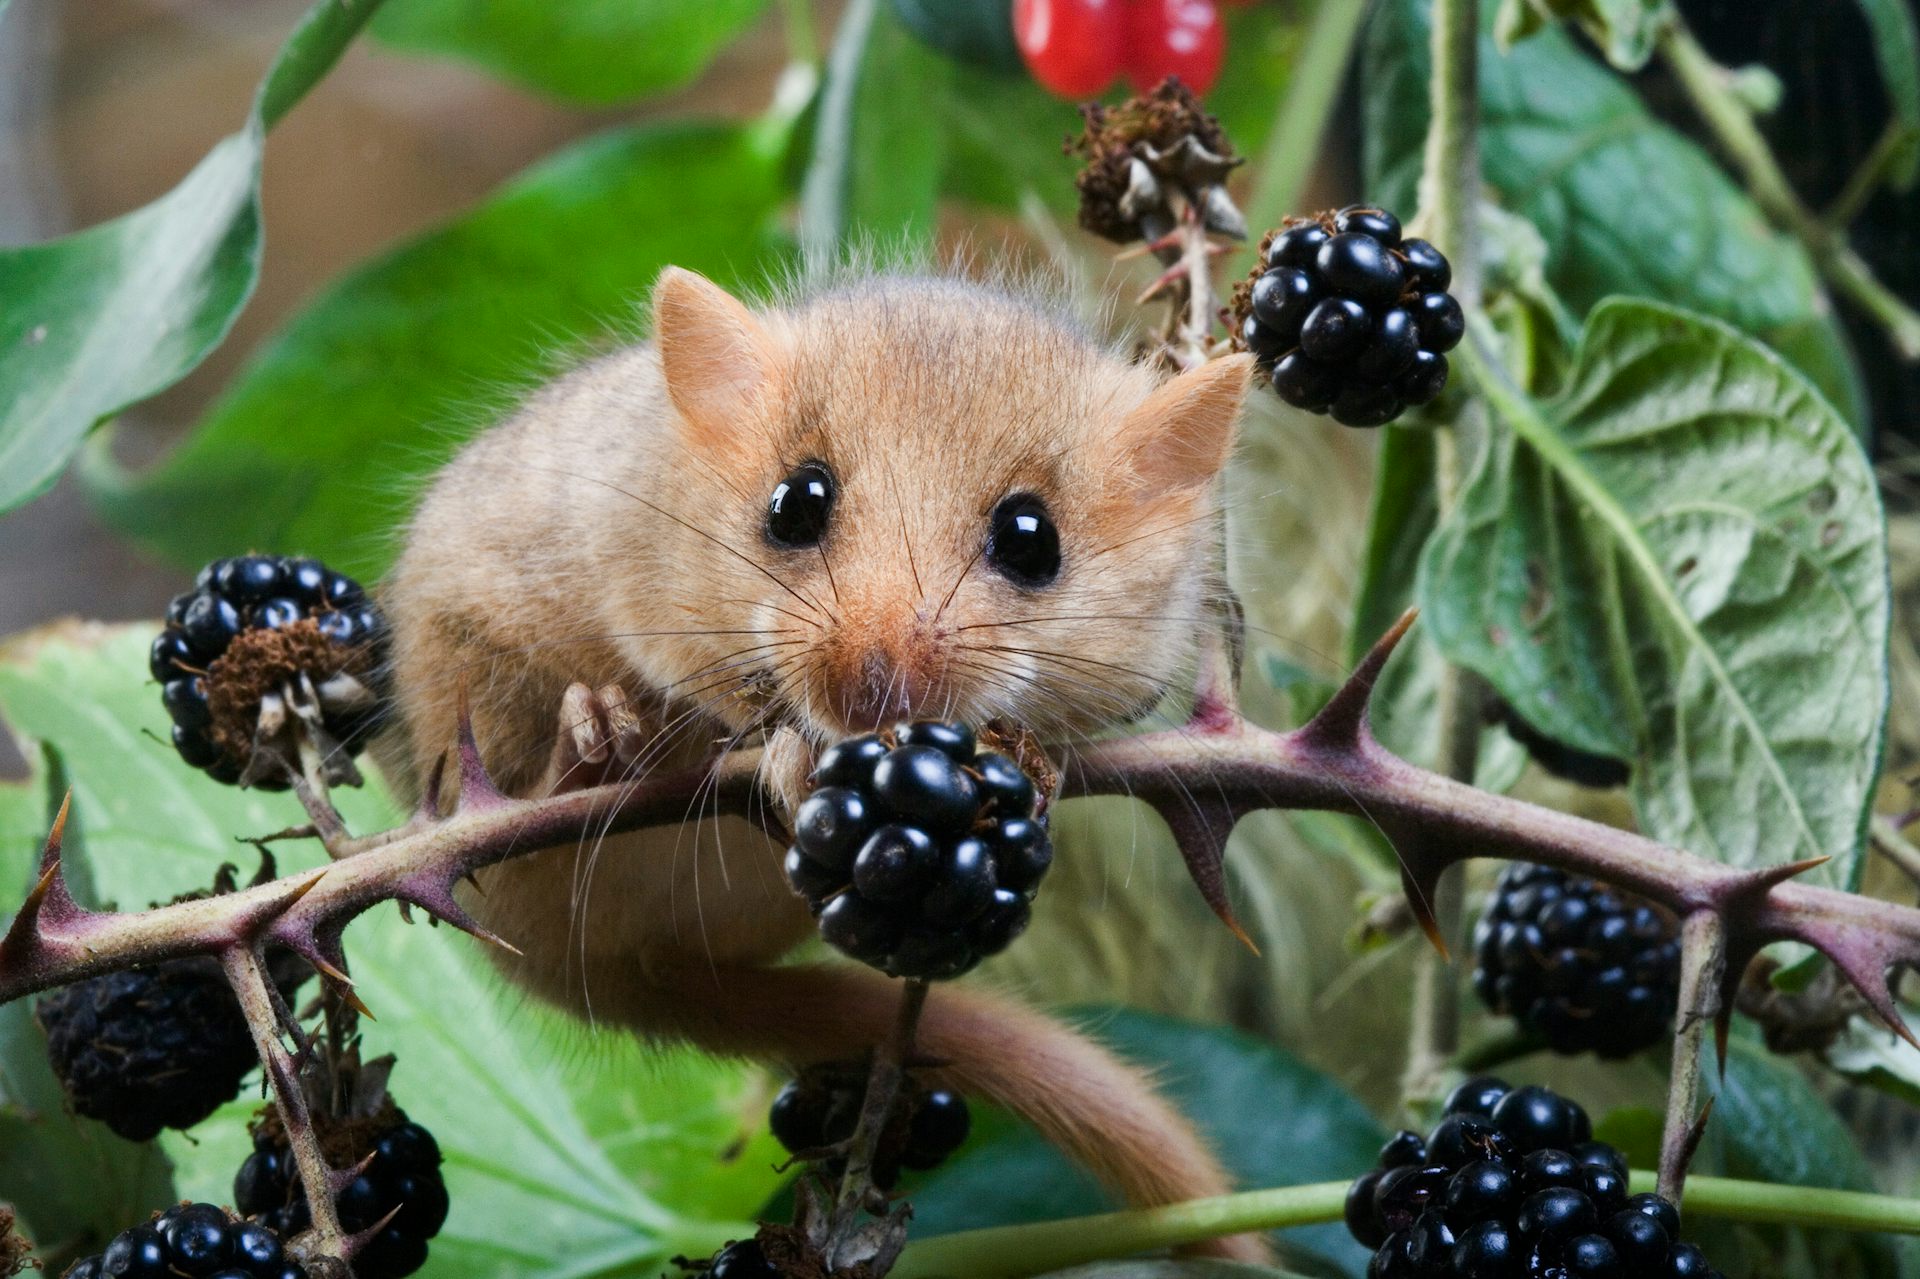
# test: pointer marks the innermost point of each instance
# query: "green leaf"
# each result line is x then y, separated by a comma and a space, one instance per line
73, 1183
1770, 1125
593, 52
103, 318
1220, 1078
877, 150
1624, 30
1680, 561
1625, 203
977, 32
318, 443
1896, 48
606, 1156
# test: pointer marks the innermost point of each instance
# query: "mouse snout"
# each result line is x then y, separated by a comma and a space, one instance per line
890, 675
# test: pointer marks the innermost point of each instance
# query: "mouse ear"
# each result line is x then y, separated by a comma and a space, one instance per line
1181, 434
719, 359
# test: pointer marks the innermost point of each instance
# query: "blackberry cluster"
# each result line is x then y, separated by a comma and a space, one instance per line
194, 1240
326, 625
818, 1111
1511, 1185
1347, 318
1577, 964
151, 1048
404, 1174
918, 852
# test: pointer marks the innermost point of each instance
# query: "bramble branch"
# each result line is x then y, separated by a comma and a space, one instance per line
1201, 778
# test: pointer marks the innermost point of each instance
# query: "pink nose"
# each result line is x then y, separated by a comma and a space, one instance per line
882, 691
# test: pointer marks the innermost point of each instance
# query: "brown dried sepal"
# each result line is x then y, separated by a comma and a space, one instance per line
350, 1105
1150, 127
14, 1248
265, 660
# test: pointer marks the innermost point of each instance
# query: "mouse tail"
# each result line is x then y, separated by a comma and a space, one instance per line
1102, 1112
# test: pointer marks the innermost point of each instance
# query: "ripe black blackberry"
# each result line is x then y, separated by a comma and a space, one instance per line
818, 1110
919, 852
1346, 318
1576, 963
404, 1174
193, 1240
151, 1048
1511, 1185
744, 1259
249, 626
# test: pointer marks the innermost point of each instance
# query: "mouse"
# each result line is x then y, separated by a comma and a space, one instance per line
890, 495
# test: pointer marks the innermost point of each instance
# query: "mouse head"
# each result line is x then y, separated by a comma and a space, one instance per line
940, 499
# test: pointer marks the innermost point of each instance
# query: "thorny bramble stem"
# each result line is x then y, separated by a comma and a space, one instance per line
883, 1089
1202, 778
1703, 990
257, 1002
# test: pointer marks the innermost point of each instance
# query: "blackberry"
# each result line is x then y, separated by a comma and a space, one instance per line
742, 1260
151, 1048
818, 1110
1347, 318
1576, 963
250, 626
404, 1174
1511, 1185
918, 851
193, 1240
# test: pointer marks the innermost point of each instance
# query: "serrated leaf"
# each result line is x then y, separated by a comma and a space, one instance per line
1680, 561
1896, 50
605, 1156
105, 317
593, 52
1214, 1075
1625, 203
408, 355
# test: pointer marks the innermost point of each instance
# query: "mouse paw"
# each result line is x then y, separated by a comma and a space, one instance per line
600, 735
786, 769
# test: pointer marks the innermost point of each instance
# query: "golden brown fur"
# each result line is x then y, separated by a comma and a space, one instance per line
610, 536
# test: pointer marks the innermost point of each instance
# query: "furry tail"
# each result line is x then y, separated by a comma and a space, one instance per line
1102, 1112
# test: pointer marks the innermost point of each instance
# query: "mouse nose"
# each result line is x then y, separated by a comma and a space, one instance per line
882, 684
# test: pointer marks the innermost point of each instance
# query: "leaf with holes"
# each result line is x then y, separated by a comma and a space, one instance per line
1681, 561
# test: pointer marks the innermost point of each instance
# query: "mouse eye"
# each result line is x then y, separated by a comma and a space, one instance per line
797, 511
1022, 542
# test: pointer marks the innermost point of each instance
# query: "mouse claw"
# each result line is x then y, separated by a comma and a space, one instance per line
786, 769
601, 734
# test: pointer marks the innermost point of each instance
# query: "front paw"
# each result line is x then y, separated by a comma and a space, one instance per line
601, 736
786, 770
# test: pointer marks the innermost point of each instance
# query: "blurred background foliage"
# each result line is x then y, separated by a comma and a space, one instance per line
373, 259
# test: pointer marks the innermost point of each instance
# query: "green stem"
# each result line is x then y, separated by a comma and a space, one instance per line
1449, 212
823, 194
1866, 178
310, 52
1706, 85
1293, 145
1006, 1252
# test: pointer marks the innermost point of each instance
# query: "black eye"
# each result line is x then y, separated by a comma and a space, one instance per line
1023, 543
797, 511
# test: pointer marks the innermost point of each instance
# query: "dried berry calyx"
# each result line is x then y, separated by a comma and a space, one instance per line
266, 649
1346, 317
1511, 1184
815, 1113
1139, 151
1577, 963
192, 1239
918, 851
16, 1250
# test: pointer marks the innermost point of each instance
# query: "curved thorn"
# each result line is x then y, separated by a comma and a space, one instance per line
477, 789
1342, 722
